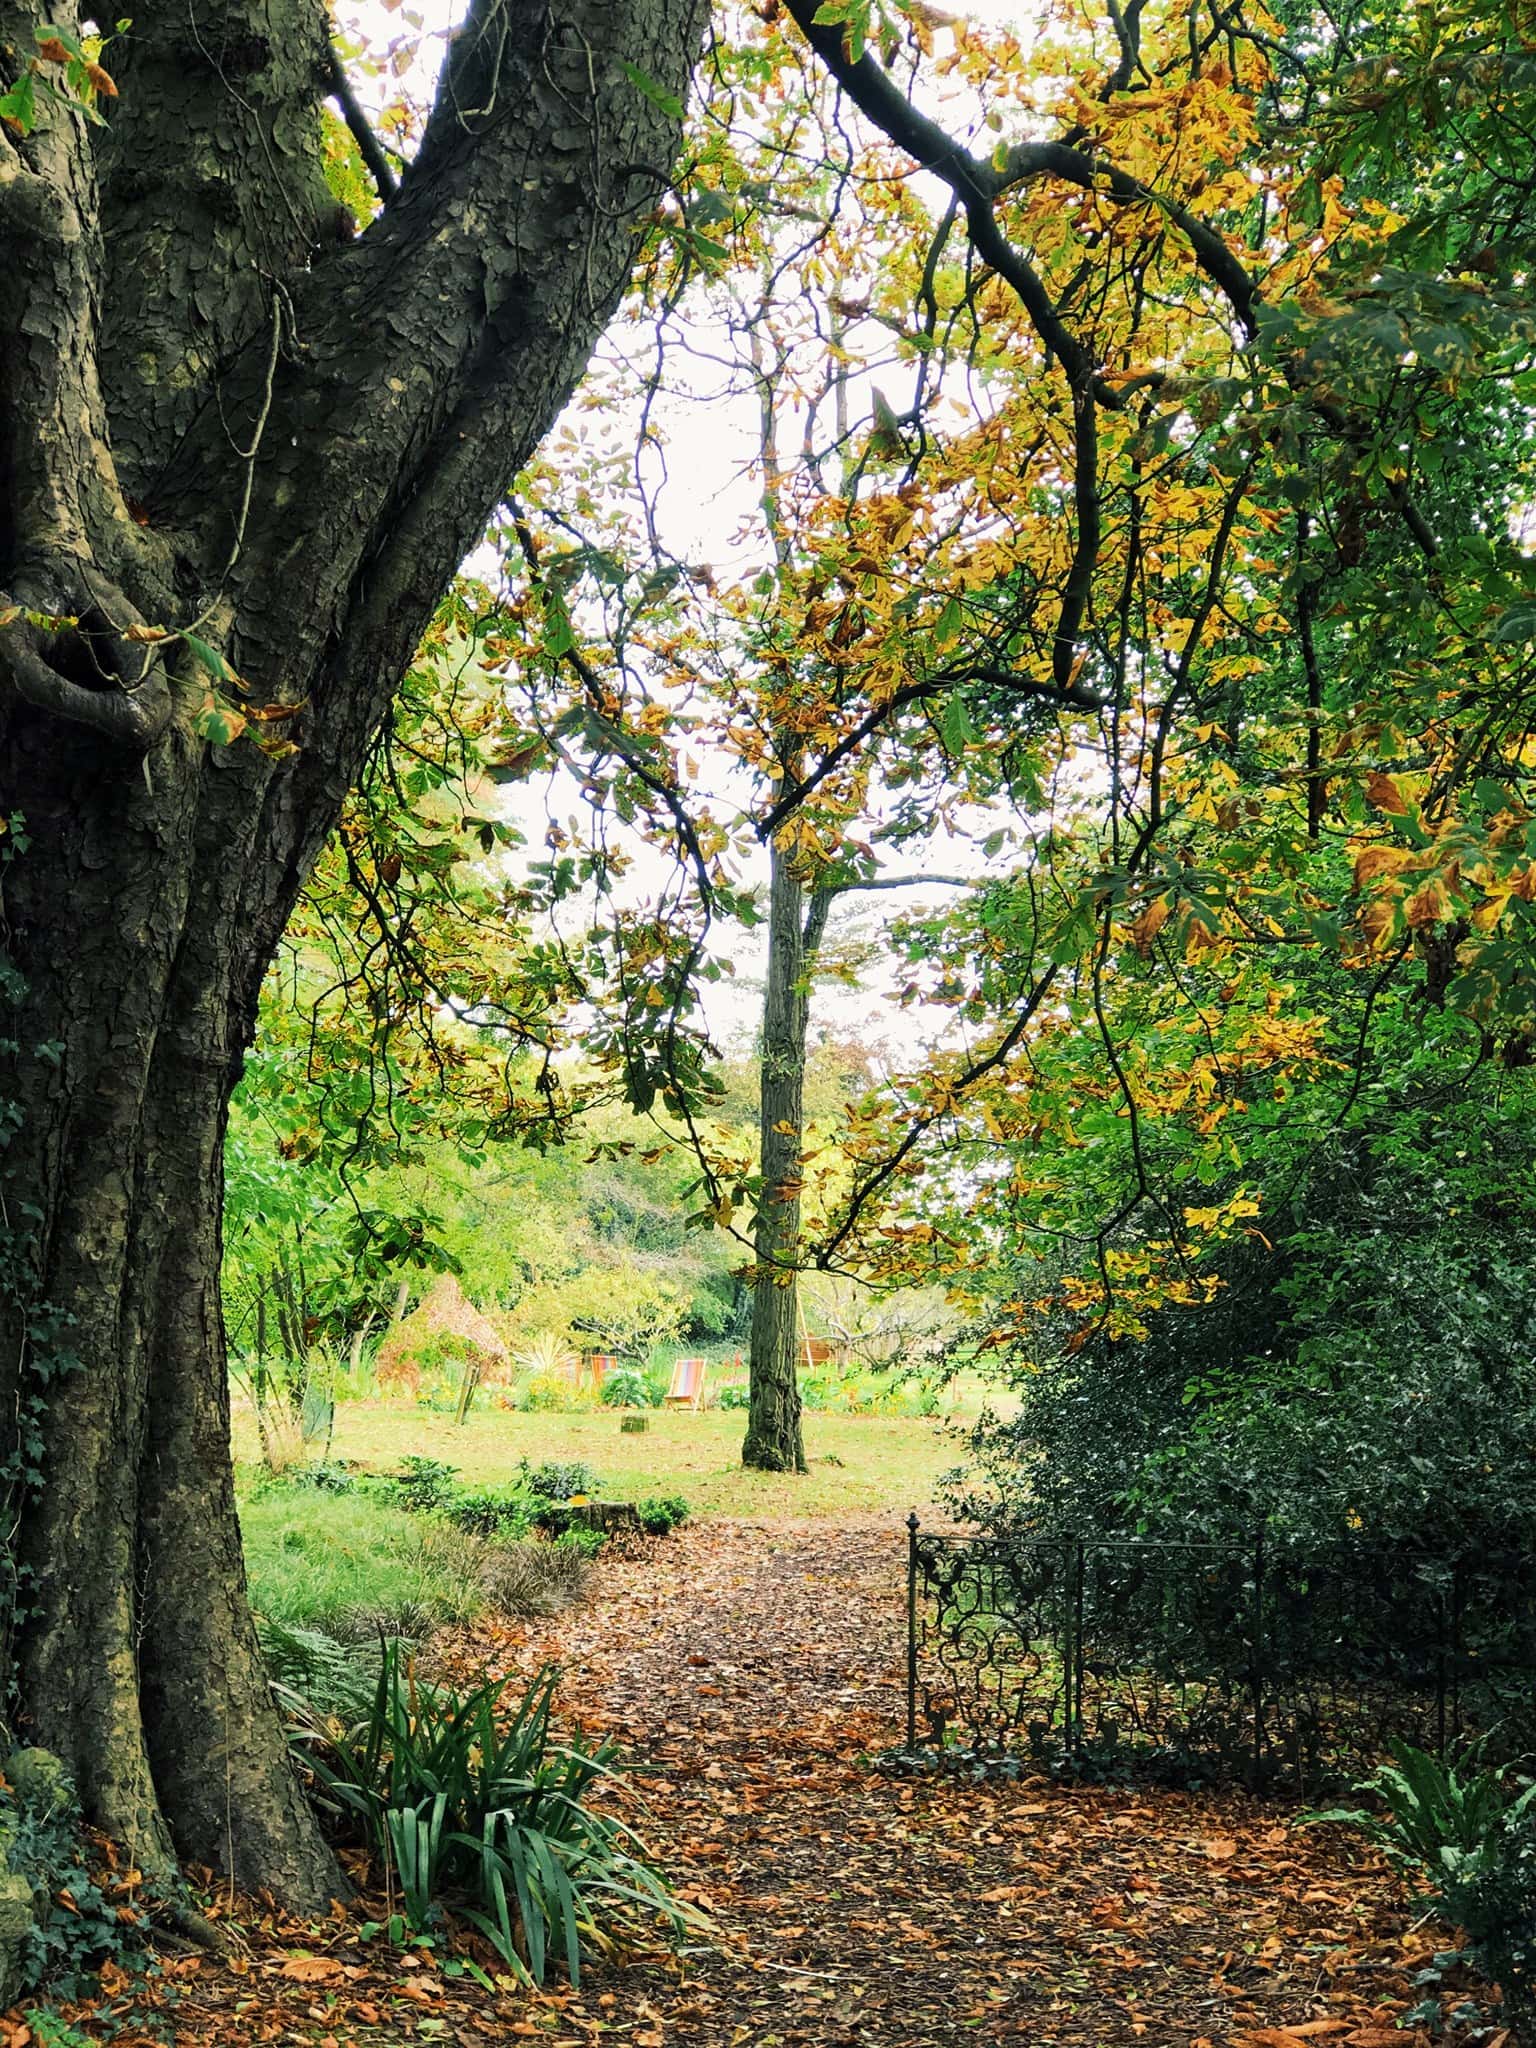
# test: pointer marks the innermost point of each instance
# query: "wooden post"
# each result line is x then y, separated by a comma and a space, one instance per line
467, 1390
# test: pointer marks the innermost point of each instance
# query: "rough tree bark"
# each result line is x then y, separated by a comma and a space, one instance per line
220, 414
796, 921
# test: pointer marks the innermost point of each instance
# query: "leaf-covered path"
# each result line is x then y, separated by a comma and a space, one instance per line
754, 1671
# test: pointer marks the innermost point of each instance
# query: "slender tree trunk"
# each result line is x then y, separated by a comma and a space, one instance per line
796, 918
360, 1337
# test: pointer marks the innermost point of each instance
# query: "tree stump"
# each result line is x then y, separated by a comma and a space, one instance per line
609, 1517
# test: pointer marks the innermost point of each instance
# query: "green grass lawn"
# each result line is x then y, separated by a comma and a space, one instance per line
859, 1464
313, 1556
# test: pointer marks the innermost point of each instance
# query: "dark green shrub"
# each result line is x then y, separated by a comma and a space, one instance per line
493, 1510
628, 1388
326, 1475
1363, 1374
554, 1480
734, 1397
469, 1802
562, 1521
424, 1485
1472, 1836
662, 1514
1492, 1897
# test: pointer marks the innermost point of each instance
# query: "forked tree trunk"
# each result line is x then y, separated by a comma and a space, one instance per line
796, 918
214, 417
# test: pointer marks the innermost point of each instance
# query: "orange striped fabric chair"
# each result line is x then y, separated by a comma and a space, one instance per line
687, 1388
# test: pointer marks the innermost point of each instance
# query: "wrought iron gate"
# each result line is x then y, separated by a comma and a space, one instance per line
1231, 1660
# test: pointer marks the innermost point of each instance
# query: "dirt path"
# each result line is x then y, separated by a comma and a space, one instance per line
753, 1671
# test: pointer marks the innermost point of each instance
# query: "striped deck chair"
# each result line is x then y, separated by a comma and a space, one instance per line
687, 1388
594, 1369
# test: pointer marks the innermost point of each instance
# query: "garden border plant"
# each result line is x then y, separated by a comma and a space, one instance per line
472, 1807
1471, 1837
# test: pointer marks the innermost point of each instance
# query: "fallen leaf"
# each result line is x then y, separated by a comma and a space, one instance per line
311, 1969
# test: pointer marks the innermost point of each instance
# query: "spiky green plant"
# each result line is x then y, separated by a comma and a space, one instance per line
467, 1799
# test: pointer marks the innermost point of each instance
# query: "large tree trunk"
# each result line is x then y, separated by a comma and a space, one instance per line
216, 418
774, 1440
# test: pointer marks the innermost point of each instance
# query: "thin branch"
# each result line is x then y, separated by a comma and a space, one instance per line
902, 882
1306, 611
1071, 695
919, 1127
369, 147
1028, 160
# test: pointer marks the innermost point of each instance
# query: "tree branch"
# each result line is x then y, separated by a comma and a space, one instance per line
369, 147
1071, 695
212, 188
465, 311
919, 1126
133, 718
977, 185
1027, 160
901, 882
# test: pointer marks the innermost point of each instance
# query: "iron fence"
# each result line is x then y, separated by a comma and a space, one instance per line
1230, 1660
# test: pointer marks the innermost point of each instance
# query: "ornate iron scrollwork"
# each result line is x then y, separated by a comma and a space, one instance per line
1214, 1658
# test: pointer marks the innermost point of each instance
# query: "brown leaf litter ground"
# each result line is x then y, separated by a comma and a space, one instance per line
753, 1672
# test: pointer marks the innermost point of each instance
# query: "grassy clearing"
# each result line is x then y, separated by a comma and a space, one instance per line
316, 1560
859, 1464
350, 1564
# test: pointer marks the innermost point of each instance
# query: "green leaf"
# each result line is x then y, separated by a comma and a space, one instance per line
559, 634
208, 658
19, 105
658, 95
217, 722
711, 255
47, 33
958, 730
1518, 623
